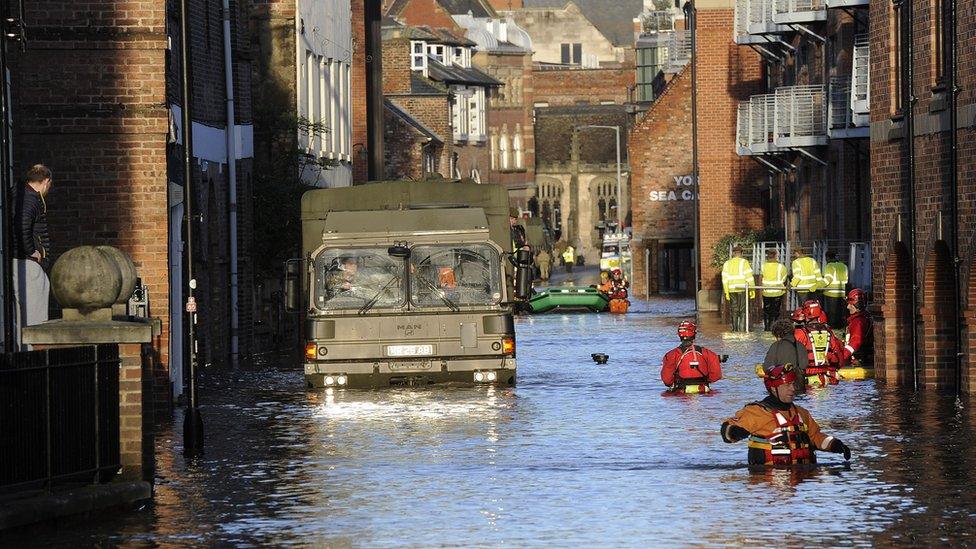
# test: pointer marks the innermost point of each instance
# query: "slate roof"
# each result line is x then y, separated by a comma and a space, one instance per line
554, 133
425, 86
413, 122
613, 18
459, 75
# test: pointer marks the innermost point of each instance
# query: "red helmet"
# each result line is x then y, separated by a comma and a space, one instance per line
798, 317
780, 374
812, 309
616, 272
687, 329
858, 298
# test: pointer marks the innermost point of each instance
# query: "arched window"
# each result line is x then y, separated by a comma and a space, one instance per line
601, 207
503, 146
517, 147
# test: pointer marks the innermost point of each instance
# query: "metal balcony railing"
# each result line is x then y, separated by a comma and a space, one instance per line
843, 122
861, 81
753, 22
679, 50
801, 116
755, 124
787, 12
847, 3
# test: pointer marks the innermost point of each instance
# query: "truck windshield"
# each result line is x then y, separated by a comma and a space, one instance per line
358, 278
454, 275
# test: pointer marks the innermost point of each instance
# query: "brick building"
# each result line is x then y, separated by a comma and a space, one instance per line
662, 193
108, 124
428, 77
911, 162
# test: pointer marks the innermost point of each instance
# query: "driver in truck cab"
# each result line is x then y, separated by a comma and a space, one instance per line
341, 276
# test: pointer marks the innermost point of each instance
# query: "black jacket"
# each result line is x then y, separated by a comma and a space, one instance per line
788, 350
30, 225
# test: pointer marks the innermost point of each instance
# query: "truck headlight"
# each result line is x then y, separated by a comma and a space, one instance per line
330, 380
492, 376
479, 377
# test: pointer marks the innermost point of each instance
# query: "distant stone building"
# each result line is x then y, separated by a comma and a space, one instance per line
576, 173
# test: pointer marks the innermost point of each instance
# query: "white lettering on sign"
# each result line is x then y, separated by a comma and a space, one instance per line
677, 194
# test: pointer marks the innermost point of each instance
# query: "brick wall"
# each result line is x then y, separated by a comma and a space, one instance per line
731, 186
90, 101
659, 151
890, 184
403, 151
575, 86
360, 168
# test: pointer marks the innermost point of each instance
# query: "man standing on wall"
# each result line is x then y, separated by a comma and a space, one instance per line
32, 244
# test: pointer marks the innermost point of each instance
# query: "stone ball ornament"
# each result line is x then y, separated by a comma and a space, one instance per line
92, 277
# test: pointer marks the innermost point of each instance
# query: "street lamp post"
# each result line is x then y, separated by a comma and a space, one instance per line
691, 15
620, 203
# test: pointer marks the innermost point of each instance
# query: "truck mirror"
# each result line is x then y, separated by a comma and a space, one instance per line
523, 274
293, 286
399, 251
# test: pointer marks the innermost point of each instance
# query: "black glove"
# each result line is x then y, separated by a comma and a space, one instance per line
733, 433
838, 447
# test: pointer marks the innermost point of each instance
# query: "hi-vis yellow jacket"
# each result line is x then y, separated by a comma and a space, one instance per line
835, 279
736, 276
806, 274
773, 274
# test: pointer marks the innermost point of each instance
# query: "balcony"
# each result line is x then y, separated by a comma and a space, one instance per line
799, 12
754, 23
801, 117
861, 81
847, 3
755, 125
679, 50
843, 122
657, 21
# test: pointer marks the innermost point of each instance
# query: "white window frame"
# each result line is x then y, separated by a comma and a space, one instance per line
438, 52
503, 147
418, 60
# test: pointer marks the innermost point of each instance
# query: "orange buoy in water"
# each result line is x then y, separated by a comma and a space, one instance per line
619, 306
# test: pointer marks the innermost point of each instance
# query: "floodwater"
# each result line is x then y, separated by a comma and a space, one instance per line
575, 454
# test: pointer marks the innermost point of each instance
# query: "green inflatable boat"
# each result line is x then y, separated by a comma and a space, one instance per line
569, 298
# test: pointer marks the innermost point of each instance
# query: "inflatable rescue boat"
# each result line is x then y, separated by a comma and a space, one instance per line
569, 298
843, 374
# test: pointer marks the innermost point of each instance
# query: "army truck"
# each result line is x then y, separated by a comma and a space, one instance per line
406, 283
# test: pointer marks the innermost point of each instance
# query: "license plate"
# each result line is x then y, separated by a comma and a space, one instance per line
409, 350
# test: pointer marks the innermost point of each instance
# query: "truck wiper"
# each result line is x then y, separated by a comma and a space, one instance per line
376, 297
430, 286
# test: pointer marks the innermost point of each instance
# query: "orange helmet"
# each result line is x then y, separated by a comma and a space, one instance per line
780, 374
687, 330
798, 317
858, 298
812, 309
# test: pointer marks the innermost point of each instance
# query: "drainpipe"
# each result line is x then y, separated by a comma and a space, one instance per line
7, 205
954, 187
691, 14
372, 13
231, 184
908, 74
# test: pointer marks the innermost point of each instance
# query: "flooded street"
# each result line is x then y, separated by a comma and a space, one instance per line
574, 454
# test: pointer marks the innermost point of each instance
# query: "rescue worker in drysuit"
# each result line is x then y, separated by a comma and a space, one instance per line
859, 350
618, 285
690, 368
780, 432
825, 351
605, 284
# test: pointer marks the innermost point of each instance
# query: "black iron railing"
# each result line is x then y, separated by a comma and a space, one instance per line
59, 417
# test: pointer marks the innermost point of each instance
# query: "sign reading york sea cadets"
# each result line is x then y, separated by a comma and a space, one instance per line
684, 190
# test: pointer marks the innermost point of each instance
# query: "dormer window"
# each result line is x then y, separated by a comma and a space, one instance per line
418, 56
461, 57
437, 52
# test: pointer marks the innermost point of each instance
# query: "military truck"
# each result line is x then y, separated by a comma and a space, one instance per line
406, 283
